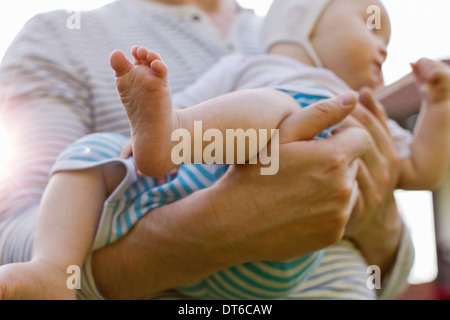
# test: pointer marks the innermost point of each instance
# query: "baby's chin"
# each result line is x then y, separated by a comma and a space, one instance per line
373, 83
377, 80
370, 80
377, 85
369, 85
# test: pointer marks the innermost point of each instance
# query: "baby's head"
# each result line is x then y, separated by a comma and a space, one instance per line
333, 34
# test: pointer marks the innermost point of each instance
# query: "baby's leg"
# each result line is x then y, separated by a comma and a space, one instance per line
67, 221
252, 109
145, 93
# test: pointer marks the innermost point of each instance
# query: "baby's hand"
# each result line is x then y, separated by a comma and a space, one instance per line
433, 78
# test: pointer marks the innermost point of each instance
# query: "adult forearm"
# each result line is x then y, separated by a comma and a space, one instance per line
171, 246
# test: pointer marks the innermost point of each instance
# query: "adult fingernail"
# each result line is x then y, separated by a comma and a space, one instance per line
346, 99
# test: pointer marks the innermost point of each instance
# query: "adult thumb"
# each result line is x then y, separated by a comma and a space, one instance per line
324, 114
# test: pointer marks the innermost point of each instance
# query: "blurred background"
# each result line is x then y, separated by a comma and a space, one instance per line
417, 32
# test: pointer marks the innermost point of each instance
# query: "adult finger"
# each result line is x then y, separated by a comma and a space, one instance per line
372, 155
126, 151
367, 188
352, 143
349, 122
367, 99
369, 197
379, 132
382, 150
352, 174
324, 114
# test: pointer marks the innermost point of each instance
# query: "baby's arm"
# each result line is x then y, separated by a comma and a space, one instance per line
430, 150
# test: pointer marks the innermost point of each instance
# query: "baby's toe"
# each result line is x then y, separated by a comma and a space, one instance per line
120, 63
142, 55
159, 67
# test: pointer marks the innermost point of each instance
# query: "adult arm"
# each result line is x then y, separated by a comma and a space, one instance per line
243, 217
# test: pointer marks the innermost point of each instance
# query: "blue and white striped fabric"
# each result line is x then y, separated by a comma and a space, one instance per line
136, 197
256, 280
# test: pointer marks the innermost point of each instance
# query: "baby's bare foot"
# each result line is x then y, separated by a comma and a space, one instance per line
145, 93
34, 281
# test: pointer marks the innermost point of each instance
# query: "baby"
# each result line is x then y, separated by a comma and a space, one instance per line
314, 49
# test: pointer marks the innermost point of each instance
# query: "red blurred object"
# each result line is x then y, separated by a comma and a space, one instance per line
442, 293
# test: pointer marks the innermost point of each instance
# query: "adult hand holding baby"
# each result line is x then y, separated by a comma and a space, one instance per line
314, 194
248, 217
375, 215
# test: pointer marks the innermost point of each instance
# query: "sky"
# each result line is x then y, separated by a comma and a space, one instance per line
418, 30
